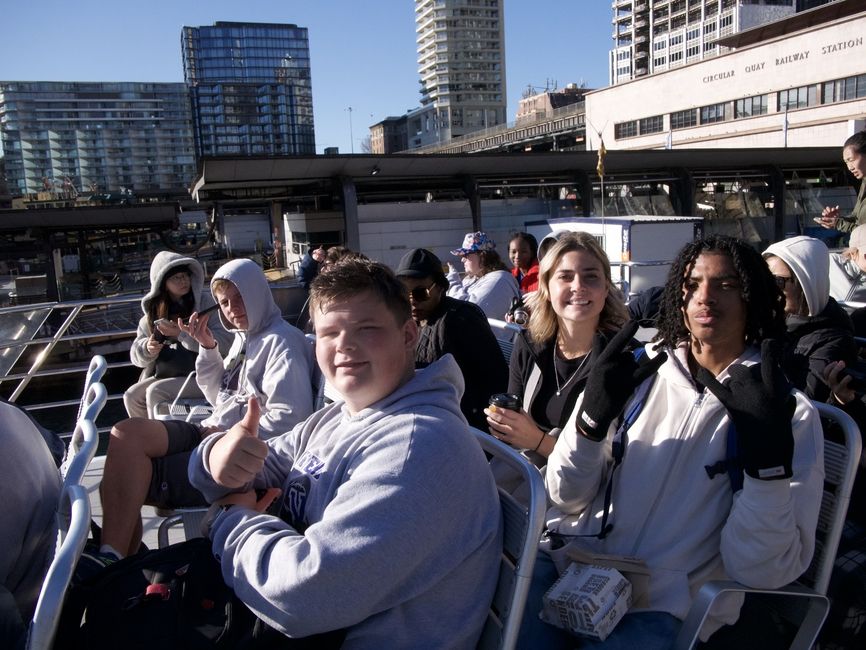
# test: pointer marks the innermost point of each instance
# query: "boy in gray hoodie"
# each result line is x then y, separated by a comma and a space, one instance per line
389, 523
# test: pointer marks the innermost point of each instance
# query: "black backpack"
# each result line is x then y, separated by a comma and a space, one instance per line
172, 597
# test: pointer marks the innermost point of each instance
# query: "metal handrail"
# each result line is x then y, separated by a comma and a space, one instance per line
77, 325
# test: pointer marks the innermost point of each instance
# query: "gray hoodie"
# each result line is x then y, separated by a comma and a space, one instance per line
160, 267
271, 360
389, 523
31, 489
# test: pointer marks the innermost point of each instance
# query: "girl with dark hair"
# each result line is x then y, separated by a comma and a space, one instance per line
854, 157
165, 353
487, 283
522, 251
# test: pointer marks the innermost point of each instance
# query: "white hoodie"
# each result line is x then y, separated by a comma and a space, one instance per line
666, 510
276, 360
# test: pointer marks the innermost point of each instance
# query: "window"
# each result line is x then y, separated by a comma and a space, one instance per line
684, 119
713, 113
692, 34
841, 90
625, 130
659, 61
654, 124
676, 56
750, 106
798, 97
693, 50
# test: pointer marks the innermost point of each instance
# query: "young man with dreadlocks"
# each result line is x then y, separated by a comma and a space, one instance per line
681, 501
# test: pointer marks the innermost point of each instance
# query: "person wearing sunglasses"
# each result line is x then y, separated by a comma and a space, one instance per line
448, 325
818, 328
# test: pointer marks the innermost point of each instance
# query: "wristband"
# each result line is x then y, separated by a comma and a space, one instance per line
540, 440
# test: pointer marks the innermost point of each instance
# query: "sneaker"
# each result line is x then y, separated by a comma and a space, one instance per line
91, 563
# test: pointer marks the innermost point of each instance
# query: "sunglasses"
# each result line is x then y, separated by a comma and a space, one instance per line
782, 280
420, 294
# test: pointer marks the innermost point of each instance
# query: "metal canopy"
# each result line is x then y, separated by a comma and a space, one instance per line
372, 173
160, 217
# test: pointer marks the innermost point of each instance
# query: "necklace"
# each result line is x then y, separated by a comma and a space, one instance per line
561, 388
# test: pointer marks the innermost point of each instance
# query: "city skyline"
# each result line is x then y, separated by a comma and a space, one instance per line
363, 60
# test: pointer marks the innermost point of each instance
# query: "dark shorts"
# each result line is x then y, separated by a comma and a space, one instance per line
169, 484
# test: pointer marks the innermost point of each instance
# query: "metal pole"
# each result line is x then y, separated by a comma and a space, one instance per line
351, 135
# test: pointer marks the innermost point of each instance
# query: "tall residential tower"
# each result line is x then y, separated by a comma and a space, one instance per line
656, 35
88, 137
250, 89
461, 62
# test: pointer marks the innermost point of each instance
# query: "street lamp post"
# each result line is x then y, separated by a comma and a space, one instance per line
351, 135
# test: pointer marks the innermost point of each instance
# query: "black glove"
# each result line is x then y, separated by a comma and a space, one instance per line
613, 376
760, 404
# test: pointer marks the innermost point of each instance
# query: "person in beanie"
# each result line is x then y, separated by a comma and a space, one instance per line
486, 282
451, 326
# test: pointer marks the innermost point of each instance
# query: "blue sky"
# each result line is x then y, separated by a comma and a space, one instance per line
362, 51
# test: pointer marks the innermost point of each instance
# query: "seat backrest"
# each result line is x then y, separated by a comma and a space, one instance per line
506, 335
95, 371
842, 449
43, 627
85, 439
522, 527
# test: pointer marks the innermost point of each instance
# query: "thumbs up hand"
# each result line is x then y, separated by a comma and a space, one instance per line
239, 455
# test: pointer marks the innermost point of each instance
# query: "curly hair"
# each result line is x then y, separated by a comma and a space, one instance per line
764, 301
543, 321
530, 241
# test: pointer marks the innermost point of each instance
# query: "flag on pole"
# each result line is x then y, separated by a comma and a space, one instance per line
602, 152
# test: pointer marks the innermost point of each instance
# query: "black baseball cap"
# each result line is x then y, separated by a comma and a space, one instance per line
419, 263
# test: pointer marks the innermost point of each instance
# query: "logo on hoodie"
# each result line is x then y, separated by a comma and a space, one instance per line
295, 503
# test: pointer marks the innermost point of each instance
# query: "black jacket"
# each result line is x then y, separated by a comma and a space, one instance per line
813, 343
461, 328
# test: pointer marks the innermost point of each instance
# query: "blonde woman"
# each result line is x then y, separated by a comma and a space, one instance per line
575, 300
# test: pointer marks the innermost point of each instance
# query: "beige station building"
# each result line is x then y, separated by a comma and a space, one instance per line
796, 82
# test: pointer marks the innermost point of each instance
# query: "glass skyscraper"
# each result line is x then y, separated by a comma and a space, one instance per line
88, 137
250, 89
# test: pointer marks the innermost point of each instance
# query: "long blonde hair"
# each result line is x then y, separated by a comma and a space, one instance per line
543, 321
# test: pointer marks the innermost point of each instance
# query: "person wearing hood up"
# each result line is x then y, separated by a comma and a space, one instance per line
818, 329
269, 361
165, 354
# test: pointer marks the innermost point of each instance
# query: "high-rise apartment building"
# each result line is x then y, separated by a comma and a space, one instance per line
461, 62
82, 137
655, 35
250, 88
